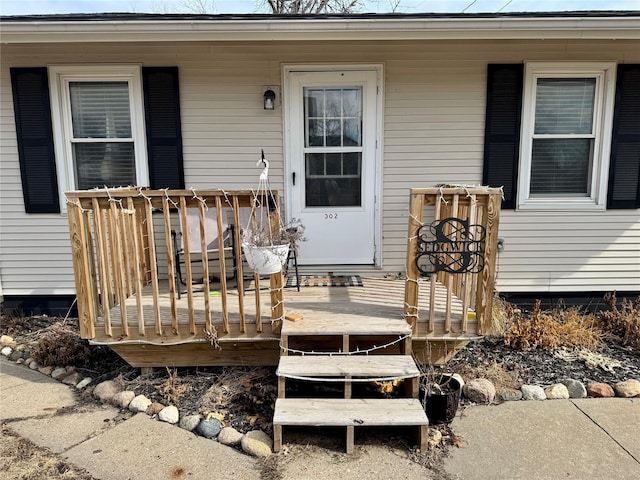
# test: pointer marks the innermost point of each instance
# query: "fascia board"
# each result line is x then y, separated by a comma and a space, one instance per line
320, 30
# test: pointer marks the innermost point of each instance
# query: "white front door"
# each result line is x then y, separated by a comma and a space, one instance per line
332, 164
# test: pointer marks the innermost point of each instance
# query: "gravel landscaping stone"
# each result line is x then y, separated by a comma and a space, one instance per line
230, 436
72, 379
105, 391
532, 392
628, 389
190, 422
58, 372
600, 390
84, 383
154, 408
556, 391
169, 414
479, 390
123, 399
508, 395
209, 428
140, 403
575, 388
257, 443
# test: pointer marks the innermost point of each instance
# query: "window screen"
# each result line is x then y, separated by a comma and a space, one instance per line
102, 143
562, 153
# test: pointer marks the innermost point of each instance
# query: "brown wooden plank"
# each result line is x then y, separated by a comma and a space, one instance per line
143, 251
187, 263
154, 267
223, 267
123, 231
92, 259
449, 276
468, 278
277, 438
277, 300
103, 270
199, 353
416, 216
205, 263
336, 324
113, 256
125, 240
343, 366
81, 268
256, 283
433, 278
137, 266
486, 286
340, 412
350, 439
171, 268
117, 254
238, 255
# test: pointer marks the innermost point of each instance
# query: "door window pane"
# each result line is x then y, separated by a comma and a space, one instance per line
333, 117
333, 179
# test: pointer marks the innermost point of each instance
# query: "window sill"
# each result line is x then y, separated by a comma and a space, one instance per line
562, 204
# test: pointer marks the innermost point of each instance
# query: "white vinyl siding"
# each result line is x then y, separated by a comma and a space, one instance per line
434, 110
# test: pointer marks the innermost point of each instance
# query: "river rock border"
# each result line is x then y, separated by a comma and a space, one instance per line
255, 442
481, 390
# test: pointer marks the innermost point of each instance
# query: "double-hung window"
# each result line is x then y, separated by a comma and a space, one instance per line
566, 127
98, 123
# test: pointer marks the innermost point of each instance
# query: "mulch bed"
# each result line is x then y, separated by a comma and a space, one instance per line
610, 364
246, 396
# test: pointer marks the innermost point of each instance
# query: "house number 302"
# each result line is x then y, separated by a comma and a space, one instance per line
330, 216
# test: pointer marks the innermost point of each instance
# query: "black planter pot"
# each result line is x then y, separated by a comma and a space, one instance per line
441, 406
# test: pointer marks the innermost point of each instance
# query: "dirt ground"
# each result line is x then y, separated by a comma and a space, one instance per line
21, 459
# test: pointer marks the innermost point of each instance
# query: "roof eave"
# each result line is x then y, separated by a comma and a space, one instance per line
313, 30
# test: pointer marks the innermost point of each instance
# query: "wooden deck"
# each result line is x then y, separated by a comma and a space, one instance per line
376, 302
378, 298
125, 256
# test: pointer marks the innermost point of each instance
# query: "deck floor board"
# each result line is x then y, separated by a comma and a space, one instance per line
378, 302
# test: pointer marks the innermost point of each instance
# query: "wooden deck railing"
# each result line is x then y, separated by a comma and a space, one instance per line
469, 275
118, 236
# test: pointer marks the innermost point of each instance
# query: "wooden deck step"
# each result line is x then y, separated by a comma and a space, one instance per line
340, 412
341, 366
350, 413
337, 325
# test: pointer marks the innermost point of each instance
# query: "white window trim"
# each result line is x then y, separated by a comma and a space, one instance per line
605, 74
59, 78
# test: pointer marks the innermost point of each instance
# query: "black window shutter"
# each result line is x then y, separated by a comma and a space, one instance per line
32, 114
624, 169
502, 129
164, 133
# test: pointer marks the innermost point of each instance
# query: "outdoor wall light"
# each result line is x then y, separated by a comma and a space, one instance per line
269, 99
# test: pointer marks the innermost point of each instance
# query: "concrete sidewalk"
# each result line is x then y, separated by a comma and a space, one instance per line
551, 439
554, 439
140, 448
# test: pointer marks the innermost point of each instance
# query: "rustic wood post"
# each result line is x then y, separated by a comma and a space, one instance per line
416, 207
82, 271
484, 297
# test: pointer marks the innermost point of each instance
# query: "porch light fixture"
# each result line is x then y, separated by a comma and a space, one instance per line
269, 99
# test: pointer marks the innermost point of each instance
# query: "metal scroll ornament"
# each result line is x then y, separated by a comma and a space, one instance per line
450, 245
